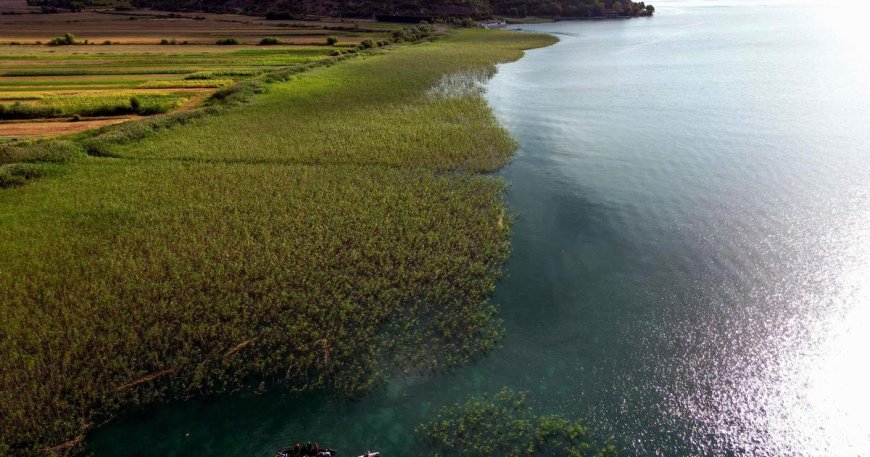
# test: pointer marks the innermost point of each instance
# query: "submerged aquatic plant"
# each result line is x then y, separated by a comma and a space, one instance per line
506, 426
463, 83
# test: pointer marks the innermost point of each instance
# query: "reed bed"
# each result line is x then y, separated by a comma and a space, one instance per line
329, 234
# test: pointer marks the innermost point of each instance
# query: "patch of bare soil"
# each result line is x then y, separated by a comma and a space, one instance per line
56, 127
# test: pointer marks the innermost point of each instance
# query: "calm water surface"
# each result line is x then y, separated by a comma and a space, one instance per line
691, 265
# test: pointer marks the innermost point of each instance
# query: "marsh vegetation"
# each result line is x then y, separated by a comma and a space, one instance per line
505, 425
331, 231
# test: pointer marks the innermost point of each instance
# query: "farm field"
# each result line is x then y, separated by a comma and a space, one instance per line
328, 233
119, 57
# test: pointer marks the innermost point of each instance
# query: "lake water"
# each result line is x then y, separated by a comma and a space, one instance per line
691, 258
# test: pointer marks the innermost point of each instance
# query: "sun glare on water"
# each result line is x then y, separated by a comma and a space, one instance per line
822, 403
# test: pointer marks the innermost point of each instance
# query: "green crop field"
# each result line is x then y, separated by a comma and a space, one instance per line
102, 83
103, 50
332, 230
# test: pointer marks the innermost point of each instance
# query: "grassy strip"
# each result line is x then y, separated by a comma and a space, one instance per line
93, 104
83, 72
187, 84
326, 234
215, 74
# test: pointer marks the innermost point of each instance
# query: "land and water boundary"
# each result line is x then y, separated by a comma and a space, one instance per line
330, 227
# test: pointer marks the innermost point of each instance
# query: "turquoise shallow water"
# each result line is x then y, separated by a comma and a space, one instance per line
691, 257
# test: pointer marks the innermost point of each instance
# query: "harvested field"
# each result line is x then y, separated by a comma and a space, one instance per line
118, 56
149, 27
53, 128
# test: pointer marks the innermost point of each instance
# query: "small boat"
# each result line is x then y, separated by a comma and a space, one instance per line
315, 451
306, 451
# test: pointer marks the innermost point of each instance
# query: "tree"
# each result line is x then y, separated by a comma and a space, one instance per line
598, 8
65, 40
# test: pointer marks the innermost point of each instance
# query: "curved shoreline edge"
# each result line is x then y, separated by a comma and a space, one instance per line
258, 244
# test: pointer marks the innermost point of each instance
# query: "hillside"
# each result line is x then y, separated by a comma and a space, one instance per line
366, 8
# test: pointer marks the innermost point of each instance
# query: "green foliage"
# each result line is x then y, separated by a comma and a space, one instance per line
16, 175
19, 110
39, 152
331, 41
567, 8
216, 74
109, 104
368, 43
282, 10
270, 40
228, 41
506, 426
360, 245
65, 40
135, 104
200, 83
412, 34
165, 41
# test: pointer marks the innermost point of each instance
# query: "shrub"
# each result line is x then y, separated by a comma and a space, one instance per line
97, 148
228, 42
107, 43
75, 118
135, 104
468, 23
269, 41
331, 41
412, 33
18, 174
164, 41
56, 151
65, 40
156, 108
368, 43
20, 110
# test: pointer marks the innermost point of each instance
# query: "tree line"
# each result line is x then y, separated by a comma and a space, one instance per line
289, 9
